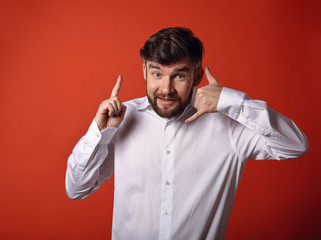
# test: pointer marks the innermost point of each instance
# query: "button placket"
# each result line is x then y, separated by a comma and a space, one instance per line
167, 176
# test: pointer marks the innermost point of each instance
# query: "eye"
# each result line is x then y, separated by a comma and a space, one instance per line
156, 74
179, 76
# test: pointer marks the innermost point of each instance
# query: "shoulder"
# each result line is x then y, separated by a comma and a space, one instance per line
137, 103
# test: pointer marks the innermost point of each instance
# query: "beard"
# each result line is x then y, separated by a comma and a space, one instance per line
176, 110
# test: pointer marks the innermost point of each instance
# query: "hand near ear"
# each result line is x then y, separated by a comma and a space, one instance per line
207, 97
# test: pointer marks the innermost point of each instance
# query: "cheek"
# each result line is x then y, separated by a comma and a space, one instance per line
184, 91
151, 87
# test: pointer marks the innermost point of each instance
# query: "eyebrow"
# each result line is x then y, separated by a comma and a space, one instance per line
179, 69
153, 66
183, 69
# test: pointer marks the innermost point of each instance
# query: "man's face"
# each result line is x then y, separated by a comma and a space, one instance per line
169, 87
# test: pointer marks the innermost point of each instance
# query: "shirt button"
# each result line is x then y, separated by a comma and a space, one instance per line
168, 183
168, 123
226, 113
165, 213
97, 135
168, 152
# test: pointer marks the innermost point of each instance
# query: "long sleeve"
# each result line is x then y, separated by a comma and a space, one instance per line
262, 132
91, 162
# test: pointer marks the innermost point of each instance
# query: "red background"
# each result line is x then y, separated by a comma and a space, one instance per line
60, 59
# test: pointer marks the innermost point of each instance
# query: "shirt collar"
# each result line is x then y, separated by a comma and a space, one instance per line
193, 97
144, 104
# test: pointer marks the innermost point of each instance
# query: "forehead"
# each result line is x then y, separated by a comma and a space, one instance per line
181, 65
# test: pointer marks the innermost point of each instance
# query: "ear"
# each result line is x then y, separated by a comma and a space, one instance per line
198, 76
144, 71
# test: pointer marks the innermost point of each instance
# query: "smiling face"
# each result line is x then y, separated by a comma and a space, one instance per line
169, 87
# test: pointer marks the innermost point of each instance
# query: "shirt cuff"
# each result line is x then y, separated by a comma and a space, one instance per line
94, 136
230, 102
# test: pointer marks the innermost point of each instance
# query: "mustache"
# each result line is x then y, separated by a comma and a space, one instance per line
166, 96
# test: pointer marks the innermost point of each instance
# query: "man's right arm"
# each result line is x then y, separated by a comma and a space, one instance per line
92, 160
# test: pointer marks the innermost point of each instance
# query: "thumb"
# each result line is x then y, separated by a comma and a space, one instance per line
209, 76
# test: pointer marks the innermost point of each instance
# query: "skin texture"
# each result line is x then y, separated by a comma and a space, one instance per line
168, 89
111, 112
207, 97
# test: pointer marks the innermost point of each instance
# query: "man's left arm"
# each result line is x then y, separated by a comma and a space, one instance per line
281, 136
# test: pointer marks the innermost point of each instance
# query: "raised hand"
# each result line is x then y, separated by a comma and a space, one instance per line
111, 112
207, 97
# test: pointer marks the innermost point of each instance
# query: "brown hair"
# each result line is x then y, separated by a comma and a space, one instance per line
173, 44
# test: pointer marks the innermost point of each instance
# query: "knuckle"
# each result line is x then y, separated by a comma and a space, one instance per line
201, 95
103, 103
200, 91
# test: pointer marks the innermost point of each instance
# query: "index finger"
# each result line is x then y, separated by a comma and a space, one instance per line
117, 86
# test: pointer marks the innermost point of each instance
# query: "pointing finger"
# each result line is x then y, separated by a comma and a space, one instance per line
210, 76
117, 86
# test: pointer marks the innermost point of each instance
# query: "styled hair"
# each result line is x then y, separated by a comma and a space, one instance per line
173, 44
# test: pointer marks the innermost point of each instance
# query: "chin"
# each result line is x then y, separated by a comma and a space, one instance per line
166, 114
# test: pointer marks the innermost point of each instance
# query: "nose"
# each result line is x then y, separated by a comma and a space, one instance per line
167, 86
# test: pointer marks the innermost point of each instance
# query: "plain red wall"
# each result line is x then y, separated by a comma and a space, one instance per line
60, 59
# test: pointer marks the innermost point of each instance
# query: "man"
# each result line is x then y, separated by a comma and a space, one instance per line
177, 154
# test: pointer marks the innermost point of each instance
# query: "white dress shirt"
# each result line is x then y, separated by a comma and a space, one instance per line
175, 180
